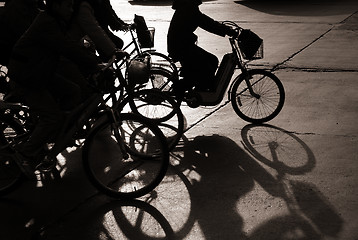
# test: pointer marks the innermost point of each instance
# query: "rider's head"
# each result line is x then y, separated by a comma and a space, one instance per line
177, 4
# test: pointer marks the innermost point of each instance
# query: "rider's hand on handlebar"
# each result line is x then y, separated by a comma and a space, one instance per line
120, 25
124, 27
232, 32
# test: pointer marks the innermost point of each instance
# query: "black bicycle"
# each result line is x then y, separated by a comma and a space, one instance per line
257, 95
125, 155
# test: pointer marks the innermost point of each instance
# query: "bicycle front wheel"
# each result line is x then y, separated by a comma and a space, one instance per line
267, 100
127, 159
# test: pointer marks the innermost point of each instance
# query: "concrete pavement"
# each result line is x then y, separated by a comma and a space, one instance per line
294, 178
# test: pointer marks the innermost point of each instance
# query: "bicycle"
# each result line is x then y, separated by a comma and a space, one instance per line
139, 159
151, 104
256, 95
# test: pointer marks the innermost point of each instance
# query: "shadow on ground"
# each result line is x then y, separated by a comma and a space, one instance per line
209, 177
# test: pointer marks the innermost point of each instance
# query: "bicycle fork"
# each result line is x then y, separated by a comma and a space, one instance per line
249, 86
115, 125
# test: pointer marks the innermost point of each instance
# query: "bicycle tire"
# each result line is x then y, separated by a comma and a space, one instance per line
160, 60
264, 108
161, 109
11, 175
128, 178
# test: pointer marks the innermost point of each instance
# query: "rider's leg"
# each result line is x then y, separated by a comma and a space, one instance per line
71, 72
49, 121
50, 116
66, 92
200, 67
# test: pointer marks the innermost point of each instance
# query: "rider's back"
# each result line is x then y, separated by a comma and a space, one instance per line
186, 19
37, 53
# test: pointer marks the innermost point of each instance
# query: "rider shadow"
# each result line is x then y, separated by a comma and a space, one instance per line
228, 173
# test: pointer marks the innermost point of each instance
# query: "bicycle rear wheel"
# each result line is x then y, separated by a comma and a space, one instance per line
162, 110
268, 103
162, 79
108, 168
10, 174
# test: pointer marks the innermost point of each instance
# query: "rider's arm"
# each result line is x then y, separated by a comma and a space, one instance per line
49, 34
90, 27
210, 25
111, 18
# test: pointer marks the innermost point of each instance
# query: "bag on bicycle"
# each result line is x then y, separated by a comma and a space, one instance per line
249, 43
144, 35
138, 71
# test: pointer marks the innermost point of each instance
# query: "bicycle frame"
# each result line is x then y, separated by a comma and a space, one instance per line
237, 62
230, 62
134, 42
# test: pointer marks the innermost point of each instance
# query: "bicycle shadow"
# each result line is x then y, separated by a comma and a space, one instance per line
228, 173
210, 177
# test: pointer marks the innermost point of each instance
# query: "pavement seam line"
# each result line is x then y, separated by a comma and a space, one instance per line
346, 19
207, 115
278, 66
328, 70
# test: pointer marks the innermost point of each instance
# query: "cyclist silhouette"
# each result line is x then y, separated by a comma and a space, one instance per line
198, 65
33, 68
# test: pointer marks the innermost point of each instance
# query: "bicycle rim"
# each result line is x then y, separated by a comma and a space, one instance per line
267, 105
116, 176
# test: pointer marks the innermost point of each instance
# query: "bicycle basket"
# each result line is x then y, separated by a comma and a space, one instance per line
145, 35
138, 71
250, 45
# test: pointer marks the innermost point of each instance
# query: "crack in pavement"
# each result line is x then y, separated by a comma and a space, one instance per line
280, 65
